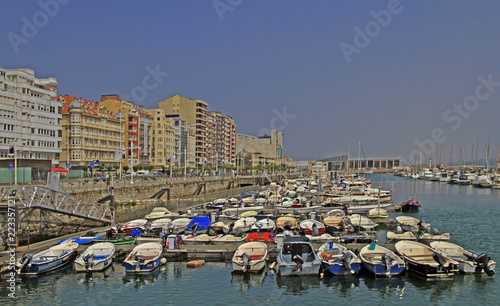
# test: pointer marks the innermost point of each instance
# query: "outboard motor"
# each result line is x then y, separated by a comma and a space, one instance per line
238, 233
195, 228
139, 260
342, 226
435, 231
399, 229
288, 225
227, 229
25, 262
246, 262
386, 260
287, 233
171, 228
299, 261
482, 261
315, 230
89, 261
346, 262
440, 260
211, 232
421, 226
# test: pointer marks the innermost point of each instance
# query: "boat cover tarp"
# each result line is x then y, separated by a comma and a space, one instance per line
245, 195
203, 222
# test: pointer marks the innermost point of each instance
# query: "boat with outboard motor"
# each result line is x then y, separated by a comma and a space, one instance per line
297, 257
250, 257
53, 258
468, 261
381, 261
338, 260
424, 260
96, 257
144, 258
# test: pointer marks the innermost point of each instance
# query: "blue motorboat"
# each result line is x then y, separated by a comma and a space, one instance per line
410, 206
48, 260
381, 261
199, 225
144, 258
338, 260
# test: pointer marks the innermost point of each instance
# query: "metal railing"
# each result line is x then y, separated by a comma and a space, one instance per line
45, 198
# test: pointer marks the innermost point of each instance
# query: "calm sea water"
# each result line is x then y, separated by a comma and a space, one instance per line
469, 214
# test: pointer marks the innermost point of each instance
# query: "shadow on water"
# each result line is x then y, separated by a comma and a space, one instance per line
139, 280
297, 284
245, 281
341, 284
91, 279
387, 286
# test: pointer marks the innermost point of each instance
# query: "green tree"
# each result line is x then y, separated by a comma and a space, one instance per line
125, 168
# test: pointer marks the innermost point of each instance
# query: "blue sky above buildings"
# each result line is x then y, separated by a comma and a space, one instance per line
410, 72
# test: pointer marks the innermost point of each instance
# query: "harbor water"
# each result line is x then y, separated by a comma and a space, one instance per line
469, 214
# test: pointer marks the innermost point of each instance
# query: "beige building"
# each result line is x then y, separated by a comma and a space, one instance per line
215, 133
136, 124
162, 139
89, 133
264, 150
193, 112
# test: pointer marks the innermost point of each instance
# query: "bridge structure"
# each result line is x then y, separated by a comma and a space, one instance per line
43, 212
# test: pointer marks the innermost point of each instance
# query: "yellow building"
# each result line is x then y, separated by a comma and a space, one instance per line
89, 133
193, 112
162, 139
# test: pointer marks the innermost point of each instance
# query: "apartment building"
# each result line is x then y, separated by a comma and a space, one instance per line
89, 132
193, 112
162, 139
30, 133
185, 144
224, 138
215, 133
136, 123
263, 149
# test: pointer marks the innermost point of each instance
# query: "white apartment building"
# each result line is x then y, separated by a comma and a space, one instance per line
29, 119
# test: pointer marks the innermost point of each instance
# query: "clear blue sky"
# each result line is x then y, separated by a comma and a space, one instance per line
255, 56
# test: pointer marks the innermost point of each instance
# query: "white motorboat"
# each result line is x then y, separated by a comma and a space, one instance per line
362, 223
250, 257
96, 257
469, 262
263, 226
424, 260
235, 211
482, 181
159, 212
413, 224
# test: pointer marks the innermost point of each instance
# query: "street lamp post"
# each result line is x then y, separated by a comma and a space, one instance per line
131, 163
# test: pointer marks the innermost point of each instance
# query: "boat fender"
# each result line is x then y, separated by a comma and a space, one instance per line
315, 230
195, 227
399, 229
272, 265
